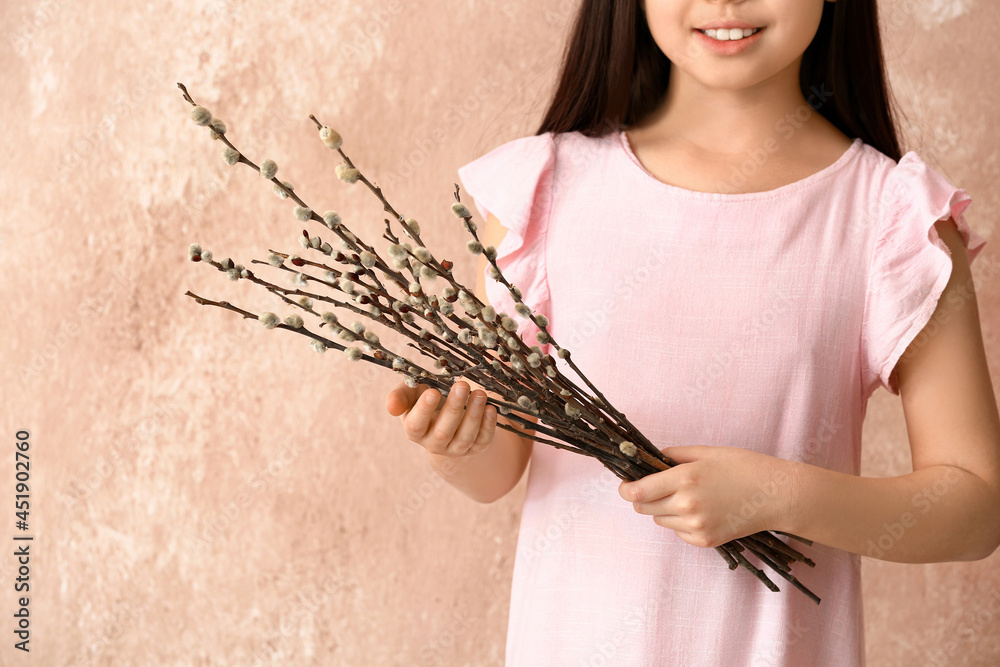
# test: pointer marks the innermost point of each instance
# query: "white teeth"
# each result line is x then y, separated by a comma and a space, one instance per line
732, 34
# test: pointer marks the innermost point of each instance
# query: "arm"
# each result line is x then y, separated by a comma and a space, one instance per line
948, 508
491, 473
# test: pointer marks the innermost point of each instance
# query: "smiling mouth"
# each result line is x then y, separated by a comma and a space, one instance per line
730, 34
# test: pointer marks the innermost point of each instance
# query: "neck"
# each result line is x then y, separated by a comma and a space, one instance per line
692, 113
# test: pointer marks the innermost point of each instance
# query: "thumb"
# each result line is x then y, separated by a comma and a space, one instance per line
686, 454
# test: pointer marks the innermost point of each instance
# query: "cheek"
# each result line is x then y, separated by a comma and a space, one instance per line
667, 30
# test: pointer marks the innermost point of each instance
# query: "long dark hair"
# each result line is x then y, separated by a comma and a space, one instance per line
614, 73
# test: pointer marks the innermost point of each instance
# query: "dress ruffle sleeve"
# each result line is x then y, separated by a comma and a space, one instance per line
910, 264
514, 183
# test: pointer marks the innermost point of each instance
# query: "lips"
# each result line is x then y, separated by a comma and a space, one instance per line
726, 25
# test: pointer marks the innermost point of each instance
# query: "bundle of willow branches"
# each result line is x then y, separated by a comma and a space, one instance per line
482, 346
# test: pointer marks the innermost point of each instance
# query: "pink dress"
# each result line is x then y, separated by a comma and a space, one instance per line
760, 320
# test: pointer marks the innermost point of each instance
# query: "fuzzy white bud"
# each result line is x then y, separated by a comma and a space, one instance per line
522, 309
422, 253
413, 225
461, 210
469, 226
331, 219
508, 323
305, 302
268, 168
367, 259
194, 250
490, 252
627, 448
230, 155
233, 274
269, 320
281, 193
275, 260
474, 246
542, 321
218, 127
347, 173
353, 353
299, 279
494, 274
201, 115
294, 321
330, 137
318, 345
303, 213
206, 256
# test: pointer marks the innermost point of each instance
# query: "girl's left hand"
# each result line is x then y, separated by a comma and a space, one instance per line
716, 494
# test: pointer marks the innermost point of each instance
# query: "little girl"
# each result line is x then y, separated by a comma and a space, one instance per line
716, 218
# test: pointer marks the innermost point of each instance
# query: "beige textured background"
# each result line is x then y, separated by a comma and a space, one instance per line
209, 493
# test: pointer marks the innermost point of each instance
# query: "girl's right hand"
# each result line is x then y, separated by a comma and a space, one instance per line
448, 427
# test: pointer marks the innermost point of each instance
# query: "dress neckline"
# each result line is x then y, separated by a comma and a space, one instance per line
837, 165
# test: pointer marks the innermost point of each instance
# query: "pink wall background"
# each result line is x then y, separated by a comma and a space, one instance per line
207, 492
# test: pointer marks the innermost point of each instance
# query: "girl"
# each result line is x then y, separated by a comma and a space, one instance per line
717, 220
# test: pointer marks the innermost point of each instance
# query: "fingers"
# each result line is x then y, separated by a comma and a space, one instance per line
401, 398
417, 418
446, 423
458, 425
467, 434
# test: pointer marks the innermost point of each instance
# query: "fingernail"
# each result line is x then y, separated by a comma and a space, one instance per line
429, 397
461, 390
